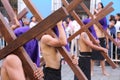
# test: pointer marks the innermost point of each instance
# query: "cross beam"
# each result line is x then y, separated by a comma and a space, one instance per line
85, 29
99, 26
11, 11
81, 23
22, 13
9, 8
97, 23
63, 52
9, 36
72, 64
45, 25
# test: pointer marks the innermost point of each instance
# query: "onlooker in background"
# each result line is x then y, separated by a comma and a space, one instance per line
117, 25
112, 32
33, 22
118, 41
25, 21
100, 7
73, 26
112, 17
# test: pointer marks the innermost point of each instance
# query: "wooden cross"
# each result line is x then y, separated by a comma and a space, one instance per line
62, 51
10, 36
82, 25
97, 23
99, 26
22, 14
25, 37
76, 17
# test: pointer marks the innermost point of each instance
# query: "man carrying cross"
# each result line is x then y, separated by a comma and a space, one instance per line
12, 64
52, 69
86, 47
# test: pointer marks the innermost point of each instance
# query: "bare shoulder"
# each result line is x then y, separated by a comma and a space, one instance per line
45, 38
84, 35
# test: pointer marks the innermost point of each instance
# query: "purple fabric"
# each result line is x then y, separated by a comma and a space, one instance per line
103, 22
21, 23
91, 28
55, 29
31, 47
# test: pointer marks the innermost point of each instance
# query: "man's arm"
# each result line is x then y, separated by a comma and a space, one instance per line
84, 36
56, 42
17, 24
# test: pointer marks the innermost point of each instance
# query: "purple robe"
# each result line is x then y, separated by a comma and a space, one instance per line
55, 29
91, 28
31, 47
103, 22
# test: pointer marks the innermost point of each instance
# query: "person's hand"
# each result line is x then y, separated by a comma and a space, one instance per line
118, 43
105, 50
75, 60
38, 73
97, 41
95, 10
15, 17
107, 46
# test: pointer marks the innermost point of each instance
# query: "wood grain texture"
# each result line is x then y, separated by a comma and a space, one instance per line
9, 36
76, 17
63, 52
40, 28
22, 13
11, 13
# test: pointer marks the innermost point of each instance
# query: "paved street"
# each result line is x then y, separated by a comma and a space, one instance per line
67, 74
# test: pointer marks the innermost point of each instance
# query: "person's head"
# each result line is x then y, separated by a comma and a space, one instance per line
118, 35
32, 19
117, 17
68, 19
111, 17
112, 22
100, 5
25, 21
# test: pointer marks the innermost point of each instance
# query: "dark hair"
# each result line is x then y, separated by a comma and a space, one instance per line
118, 14
118, 32
31, 18
101, 4
70, 17
112, 17
113, 20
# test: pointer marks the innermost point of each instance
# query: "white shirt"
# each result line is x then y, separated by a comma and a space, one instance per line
117, 26
32, 24
76, 27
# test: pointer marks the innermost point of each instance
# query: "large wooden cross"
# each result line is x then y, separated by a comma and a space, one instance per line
76, 17
10, 36
24, 37
62, 51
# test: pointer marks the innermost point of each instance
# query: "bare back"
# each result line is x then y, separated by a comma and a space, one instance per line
83, 46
